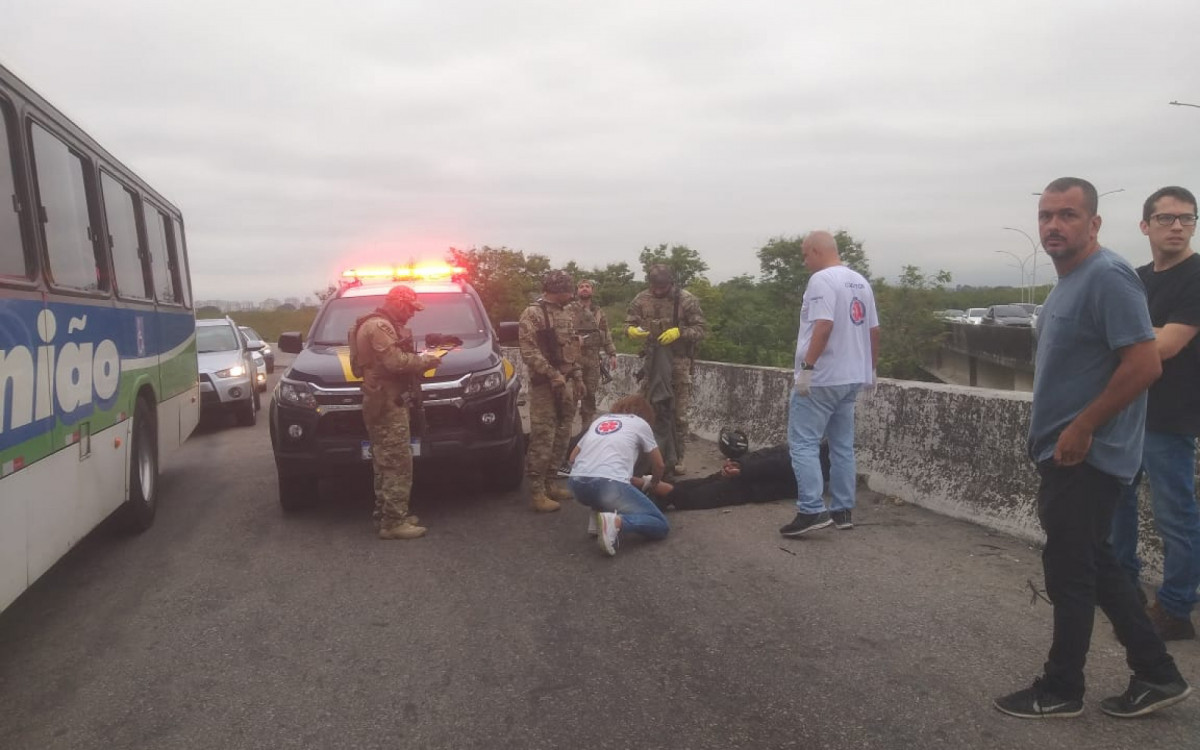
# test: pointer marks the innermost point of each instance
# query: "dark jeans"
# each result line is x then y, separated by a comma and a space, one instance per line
1075, 507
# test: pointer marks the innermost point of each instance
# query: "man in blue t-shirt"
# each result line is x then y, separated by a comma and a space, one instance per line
1172, 283
1095, 358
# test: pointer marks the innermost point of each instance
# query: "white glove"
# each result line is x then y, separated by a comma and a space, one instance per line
803, 382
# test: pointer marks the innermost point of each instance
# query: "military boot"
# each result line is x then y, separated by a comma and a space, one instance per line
541, 503
559, 493
401, 530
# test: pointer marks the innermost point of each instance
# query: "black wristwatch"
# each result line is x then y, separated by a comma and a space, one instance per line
807, 366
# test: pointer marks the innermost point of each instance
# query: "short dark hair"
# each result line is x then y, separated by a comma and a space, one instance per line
1182, 195
1091, 202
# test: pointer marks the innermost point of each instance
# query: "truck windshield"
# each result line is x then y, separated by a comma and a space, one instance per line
448, 314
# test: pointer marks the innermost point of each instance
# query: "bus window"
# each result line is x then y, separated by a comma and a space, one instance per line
62, 190
121, 211
179, 249
160, 266
12, 253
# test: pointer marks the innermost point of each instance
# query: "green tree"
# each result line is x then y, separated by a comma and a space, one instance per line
209, 311
746, 325
684, 261
506, 280
781, 264
614, 283
909, 331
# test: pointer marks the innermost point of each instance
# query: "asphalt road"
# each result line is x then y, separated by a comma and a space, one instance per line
230, 625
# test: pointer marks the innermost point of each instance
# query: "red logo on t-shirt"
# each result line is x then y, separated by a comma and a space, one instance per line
608, 426
858, 311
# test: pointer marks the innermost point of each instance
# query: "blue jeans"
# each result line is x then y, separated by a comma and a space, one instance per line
828, 411
1169, 462
638, 513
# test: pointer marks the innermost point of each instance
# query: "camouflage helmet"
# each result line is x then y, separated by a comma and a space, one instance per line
404, 295
589, 282
660, 274
557, 281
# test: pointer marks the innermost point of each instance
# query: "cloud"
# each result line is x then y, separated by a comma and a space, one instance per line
300, 136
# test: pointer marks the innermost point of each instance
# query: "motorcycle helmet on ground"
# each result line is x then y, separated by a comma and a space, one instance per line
733, 443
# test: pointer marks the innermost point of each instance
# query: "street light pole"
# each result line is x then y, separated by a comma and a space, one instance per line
1032, 254
1020, 266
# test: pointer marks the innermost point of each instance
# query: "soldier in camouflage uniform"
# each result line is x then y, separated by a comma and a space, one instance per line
673, 318
550, 349
592, 326
381, 351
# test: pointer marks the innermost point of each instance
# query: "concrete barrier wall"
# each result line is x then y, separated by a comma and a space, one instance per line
956, 450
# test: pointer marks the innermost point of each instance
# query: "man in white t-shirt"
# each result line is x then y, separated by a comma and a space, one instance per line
836, 352
602, 464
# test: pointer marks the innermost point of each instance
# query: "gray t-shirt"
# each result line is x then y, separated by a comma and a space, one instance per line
1095, 310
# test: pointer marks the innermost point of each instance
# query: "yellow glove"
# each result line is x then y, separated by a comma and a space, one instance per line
669, 336
637, 332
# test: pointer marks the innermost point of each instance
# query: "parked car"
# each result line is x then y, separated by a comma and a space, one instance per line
952, 315
260, 371
1033, 318
227, 370
1007, 315
1026, 306
975, 315
268, 354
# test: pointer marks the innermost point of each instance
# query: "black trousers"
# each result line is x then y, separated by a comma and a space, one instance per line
1075, 507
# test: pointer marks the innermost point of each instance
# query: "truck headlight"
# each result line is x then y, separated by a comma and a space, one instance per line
485, 382
233, 372
296, 393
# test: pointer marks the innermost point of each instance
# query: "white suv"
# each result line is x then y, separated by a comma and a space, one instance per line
227, 370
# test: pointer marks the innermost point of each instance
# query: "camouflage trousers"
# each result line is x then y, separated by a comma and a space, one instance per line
549, 433
590, 364
391, 456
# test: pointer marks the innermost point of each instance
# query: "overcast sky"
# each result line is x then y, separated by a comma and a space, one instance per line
299, 138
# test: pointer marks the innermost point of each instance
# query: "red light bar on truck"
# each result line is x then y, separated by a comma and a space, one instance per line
440, 272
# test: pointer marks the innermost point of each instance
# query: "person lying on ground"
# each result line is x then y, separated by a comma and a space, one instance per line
760, 476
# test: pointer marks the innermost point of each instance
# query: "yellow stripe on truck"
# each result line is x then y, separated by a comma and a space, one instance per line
343, 354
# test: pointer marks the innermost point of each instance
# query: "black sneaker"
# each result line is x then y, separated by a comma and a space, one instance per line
1144, 697
841, 519
1037, 702
806, 522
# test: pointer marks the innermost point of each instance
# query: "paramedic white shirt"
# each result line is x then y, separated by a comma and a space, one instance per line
843, 296
611, 447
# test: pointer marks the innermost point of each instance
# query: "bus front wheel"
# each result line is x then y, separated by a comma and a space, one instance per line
139, 509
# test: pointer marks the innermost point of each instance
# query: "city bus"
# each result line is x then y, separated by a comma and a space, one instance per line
98, 375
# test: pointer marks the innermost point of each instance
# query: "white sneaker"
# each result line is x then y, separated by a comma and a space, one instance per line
593, 524
608, 533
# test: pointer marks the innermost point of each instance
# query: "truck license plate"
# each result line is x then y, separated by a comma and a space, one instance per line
414, 446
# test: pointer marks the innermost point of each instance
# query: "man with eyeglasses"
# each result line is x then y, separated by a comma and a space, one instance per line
1172, 281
